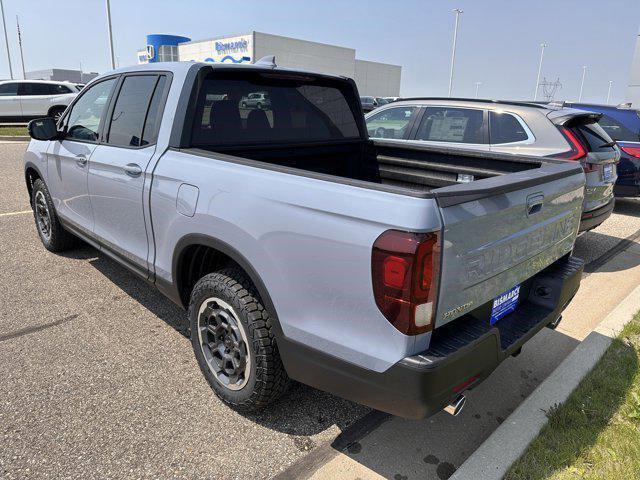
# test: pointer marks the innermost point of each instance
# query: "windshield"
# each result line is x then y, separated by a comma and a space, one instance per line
251, 107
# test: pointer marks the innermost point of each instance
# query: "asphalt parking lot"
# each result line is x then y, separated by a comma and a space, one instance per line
99, 379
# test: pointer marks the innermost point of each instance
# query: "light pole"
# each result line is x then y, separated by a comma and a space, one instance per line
457, 11
113, 56
609, 91
477, 88
6, 40
584, 74
542, 47
24, 75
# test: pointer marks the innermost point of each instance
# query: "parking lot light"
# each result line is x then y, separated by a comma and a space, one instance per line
584, 74
542, 47
609, 92
457, 11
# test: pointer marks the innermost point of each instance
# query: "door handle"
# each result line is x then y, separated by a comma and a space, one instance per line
132, 169
81, 160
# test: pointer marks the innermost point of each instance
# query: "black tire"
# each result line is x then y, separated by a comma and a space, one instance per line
56, 112
258, 380
52, 235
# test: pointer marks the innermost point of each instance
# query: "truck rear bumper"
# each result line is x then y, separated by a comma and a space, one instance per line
595, 217
462, 353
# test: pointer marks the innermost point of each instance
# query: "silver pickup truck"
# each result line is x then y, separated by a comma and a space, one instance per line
301, 248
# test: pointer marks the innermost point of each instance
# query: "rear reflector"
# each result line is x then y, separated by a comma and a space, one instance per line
633, 151
405, 271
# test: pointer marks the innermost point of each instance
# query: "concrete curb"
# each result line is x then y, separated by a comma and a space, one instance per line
10, 138
505, 445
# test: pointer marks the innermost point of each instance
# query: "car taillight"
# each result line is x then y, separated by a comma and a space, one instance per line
578, 150
633, 151
405, 268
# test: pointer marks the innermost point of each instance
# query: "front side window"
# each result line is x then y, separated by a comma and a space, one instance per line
130, 110
452, 125
617, 130
390, 123
287, 108
505, 128
8, 89
83, 120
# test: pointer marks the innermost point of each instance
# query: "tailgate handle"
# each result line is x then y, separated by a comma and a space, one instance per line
534, 203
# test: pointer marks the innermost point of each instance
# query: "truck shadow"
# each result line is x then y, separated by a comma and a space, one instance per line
302, 411
628, 206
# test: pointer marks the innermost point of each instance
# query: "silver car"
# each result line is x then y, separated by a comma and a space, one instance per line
510, 127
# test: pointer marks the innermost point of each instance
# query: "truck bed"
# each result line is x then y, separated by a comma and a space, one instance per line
419, 168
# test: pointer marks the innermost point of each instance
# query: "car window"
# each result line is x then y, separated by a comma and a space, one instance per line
505, 128
58, 89
617, 130
455, 125
296, 109
83, 120
130, 110
30, 89
595, 136
8, 89
150, 132
390, 123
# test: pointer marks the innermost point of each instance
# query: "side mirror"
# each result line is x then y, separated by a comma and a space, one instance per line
43, 129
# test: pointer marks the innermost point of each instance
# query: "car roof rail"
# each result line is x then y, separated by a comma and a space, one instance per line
523, 103
557, 103
624, 105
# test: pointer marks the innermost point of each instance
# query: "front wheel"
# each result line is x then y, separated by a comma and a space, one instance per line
233, 341
51, 232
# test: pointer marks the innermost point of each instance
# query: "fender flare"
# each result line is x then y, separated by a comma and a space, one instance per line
30, 165
231, 252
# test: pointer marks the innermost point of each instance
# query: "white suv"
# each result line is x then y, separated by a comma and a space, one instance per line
22, 100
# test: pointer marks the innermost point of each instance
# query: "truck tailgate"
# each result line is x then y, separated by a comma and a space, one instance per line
500, 231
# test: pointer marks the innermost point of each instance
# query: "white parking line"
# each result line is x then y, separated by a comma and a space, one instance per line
10, 214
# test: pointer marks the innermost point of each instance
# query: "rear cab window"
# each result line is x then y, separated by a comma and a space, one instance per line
452, 125
299, 109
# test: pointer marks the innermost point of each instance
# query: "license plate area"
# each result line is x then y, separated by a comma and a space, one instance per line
607, 173
504, 304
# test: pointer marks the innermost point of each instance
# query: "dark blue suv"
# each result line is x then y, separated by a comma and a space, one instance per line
622, 123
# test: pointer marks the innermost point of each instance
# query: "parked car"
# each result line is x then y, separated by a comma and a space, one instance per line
302, 249
381, 101
622, 123
257, 100
368, 103
22, 100
509, 127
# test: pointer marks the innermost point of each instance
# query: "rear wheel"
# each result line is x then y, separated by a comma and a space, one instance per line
53, 236
233, 341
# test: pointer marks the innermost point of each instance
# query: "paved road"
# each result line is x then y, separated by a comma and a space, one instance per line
99, 380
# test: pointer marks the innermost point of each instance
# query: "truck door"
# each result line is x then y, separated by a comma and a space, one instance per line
117, 170
67, 158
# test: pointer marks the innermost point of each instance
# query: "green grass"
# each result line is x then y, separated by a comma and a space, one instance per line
595, 434
13, 131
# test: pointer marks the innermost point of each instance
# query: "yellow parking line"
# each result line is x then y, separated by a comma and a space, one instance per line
10, 214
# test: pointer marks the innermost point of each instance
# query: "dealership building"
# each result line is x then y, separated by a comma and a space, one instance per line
373, 78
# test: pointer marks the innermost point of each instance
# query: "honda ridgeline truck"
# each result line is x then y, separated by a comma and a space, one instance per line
301, 248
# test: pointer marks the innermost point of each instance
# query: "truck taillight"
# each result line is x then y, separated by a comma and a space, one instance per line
405, 268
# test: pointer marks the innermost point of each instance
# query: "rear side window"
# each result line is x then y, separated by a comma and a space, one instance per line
505, 128
258, 108
59, 89
390, 123
150, 132
34, 89
617, 131
8, 89
130, 110
453, 125
595, 136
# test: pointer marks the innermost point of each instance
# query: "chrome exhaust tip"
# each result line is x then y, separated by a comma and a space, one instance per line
455, 407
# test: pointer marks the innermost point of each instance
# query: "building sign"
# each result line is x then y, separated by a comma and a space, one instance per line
221, 50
